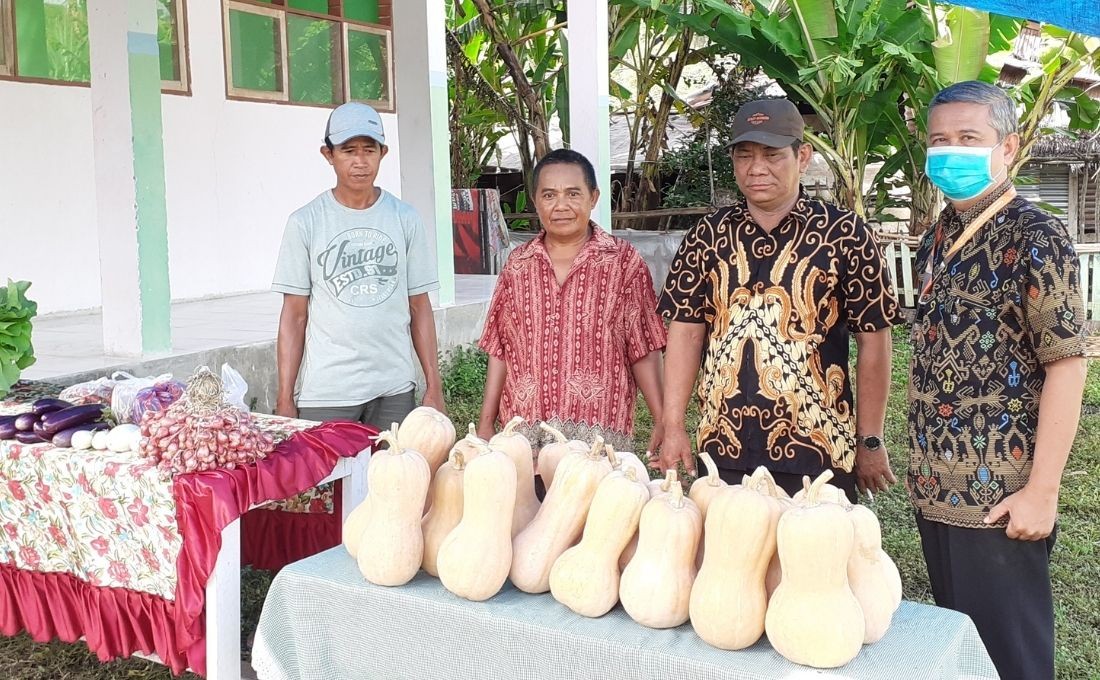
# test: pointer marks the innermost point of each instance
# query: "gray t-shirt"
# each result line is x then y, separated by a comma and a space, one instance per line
358, 268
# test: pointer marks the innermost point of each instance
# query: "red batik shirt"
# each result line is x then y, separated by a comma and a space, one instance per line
569, 348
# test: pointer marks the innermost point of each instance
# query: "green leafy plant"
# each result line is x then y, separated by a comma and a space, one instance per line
16, 352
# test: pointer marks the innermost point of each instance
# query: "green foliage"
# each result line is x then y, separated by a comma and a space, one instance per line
690, 169
16, 351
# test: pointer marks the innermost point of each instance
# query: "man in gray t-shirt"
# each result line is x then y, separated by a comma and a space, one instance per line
355, 271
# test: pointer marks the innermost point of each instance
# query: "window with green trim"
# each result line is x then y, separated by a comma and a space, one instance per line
309, 52
47, 41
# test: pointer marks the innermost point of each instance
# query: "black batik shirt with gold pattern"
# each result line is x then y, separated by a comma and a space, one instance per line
779, 307
1006, 303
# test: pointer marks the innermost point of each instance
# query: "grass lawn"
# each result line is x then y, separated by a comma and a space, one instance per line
1075, 563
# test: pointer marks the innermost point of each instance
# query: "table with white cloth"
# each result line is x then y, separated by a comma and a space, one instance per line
323, 621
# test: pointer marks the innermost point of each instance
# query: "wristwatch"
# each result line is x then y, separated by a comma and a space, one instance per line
870, 442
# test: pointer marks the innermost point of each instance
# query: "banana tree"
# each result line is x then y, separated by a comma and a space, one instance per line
1066, 56
517, 47
841, 58
647, 55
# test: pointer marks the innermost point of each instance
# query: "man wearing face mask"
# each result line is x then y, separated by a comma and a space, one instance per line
995, 383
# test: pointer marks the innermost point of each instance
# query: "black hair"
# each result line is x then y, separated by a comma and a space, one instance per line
568, 157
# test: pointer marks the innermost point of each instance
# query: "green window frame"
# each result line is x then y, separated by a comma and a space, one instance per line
307, 53
47, 42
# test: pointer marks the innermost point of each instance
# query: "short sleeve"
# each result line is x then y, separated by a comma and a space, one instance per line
1053, 309
645, 332
292, 274
420, 267
686, 288
492, 336
869, 301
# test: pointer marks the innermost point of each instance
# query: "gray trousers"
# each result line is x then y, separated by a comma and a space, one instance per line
380, 413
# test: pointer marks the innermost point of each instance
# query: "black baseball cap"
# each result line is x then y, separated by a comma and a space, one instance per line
771, 122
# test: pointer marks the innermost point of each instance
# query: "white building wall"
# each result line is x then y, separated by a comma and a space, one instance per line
234, 171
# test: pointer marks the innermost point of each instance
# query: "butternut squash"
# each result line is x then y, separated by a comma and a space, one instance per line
430, 432
827, 494
586, 577
391, 544
813, 618
519, 450
560, 521
352, 530
446, 509
704, 489
475, 557
765, 484
550, 455
728, 600
657, 487
628, 459
871, 574
655, 588
663, 485
470, 445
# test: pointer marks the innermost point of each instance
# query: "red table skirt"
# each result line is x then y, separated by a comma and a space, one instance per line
117, 622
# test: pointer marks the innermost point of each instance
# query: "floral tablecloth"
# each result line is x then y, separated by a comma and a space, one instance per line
106, 518
106, 548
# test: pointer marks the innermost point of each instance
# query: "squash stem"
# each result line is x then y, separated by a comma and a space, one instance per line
511, 425
612, 457
597, 448
553, 431
815, 487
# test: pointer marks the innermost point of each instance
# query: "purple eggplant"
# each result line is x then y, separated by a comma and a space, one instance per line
7, 427
71, 417
48, 405
28, 438
24, 422
64, 438
40, 430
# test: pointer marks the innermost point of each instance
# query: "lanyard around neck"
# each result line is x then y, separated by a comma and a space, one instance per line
967, 234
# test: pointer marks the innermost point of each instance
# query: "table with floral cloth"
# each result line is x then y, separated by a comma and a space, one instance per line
105, 546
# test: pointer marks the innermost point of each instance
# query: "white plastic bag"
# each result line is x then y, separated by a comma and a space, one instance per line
126, 388
235, 388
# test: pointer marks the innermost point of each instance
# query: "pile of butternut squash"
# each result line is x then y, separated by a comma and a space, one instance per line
737, 561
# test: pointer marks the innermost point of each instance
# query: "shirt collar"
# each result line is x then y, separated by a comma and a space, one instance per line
800, 211
599, 241
978, 208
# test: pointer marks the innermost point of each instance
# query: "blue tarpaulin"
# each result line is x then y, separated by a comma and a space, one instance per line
1082, 16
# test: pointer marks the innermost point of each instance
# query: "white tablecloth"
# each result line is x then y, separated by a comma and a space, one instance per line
323, 621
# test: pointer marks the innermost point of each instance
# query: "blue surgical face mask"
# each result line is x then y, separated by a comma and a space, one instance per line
961, 172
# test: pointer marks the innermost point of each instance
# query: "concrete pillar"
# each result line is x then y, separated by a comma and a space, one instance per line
589, 101
420, 57
128, 146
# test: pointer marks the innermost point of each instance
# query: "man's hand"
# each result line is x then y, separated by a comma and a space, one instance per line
1031, 514
675, 448
433, 397
655, 438
286, 408
873, 471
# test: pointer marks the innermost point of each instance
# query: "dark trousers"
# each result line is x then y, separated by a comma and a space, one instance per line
380, 413
1003, 585
792, 483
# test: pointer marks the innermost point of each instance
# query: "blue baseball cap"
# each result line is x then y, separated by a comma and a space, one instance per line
354, 119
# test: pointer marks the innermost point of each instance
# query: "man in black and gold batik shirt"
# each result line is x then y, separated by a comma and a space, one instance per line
764, 295
995, 383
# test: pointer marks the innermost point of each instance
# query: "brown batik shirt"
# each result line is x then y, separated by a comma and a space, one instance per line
1006, 303
779, 308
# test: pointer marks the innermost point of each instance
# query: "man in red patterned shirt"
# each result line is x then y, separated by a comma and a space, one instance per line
572, 331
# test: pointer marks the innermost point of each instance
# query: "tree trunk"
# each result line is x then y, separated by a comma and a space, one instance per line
659, 133
539, 122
